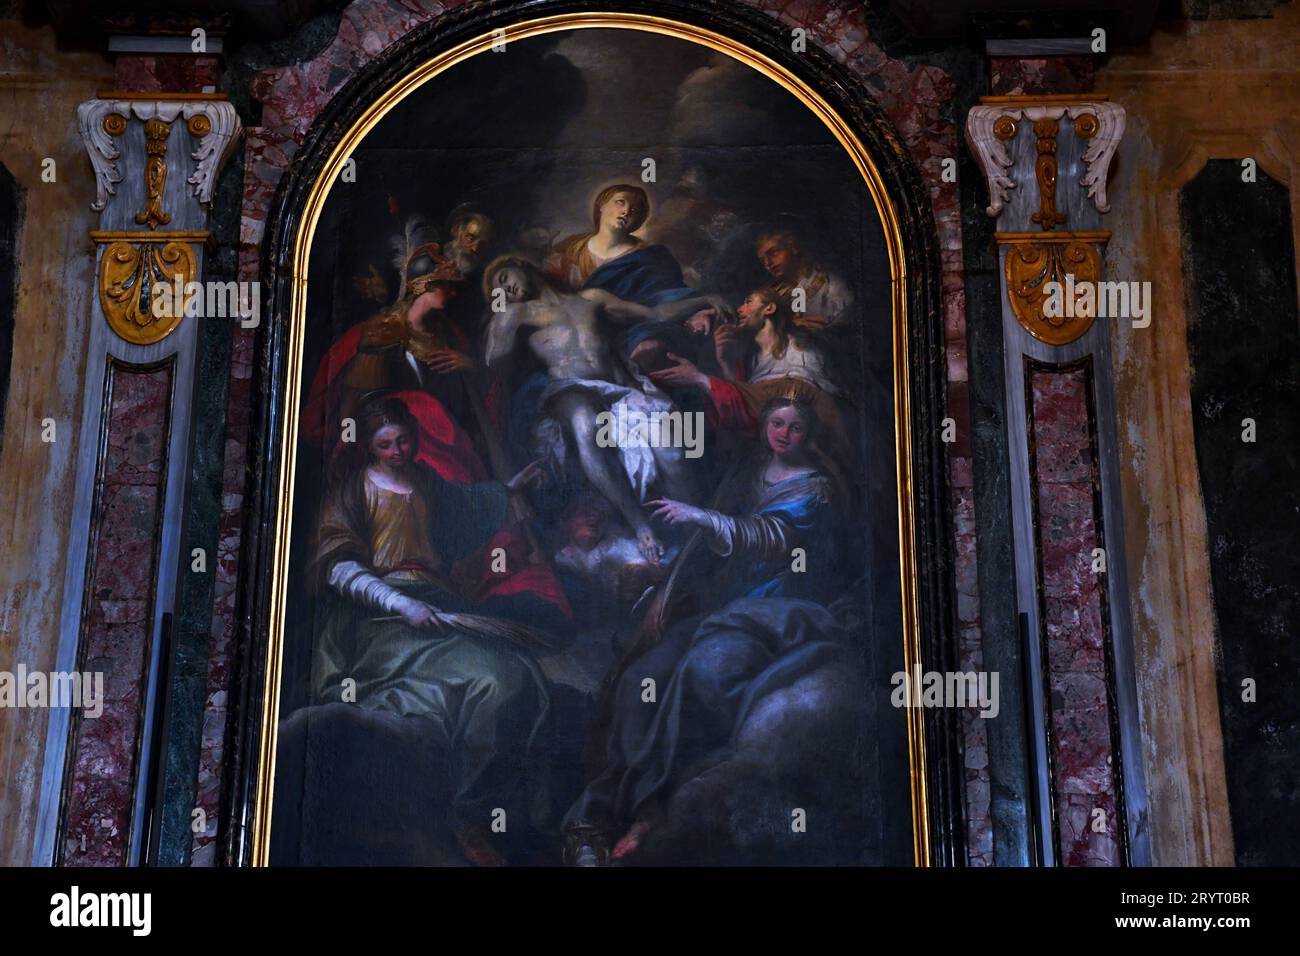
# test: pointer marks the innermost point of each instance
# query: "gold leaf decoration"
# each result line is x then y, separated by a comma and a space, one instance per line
129, 273
1030, 266
1086, 125
155, 174
1045, 172
114, 124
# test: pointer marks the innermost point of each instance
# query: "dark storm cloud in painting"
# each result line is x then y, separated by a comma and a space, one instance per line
532, 133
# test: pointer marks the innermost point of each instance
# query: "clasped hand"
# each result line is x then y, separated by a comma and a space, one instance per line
683, 374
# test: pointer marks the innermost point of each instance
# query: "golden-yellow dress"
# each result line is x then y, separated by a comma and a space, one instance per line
488, 699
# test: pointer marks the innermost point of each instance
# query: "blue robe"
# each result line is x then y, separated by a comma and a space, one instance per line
712, 669
802, 504
649, 276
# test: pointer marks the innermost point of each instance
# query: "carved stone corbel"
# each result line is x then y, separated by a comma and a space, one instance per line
214, 123
991, 133
134, 264
1038, 254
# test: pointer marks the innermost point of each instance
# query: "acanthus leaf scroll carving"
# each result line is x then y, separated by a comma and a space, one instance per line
1032, 266
991, 130
129, 274
214, 123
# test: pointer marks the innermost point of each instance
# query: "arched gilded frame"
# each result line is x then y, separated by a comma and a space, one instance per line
930, 813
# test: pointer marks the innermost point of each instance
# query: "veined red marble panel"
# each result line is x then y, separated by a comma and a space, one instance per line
1072, 606
103, 755
1029, 76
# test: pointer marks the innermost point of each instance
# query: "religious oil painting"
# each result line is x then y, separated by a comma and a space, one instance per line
594, 545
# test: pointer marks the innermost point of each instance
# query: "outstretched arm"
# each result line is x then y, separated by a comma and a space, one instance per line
762, 536
628, 313
356, 581
683, 309
619, 311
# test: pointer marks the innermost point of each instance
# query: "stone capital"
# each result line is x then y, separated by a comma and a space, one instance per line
993, 130
213, 126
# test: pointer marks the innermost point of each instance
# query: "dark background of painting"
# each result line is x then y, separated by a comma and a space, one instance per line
529, 136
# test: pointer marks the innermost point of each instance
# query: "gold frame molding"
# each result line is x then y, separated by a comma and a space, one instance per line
736, 50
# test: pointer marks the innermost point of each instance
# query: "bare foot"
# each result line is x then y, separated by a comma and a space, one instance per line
631, 840
649, 544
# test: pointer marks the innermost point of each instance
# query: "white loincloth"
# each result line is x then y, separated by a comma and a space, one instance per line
639, 462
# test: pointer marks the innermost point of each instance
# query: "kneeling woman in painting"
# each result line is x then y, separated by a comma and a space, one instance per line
389, 530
